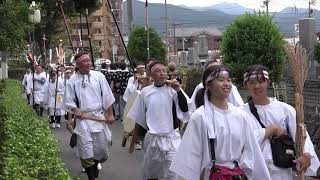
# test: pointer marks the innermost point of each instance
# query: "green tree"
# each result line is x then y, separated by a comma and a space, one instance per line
253, 39
317, 52
137, 45
14, 25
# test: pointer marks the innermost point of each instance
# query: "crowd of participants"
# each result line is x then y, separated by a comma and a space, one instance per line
224, 137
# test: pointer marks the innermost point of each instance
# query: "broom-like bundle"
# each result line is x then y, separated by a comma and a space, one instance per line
298, 60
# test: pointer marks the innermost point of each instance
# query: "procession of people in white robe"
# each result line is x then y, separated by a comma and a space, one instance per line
238, 135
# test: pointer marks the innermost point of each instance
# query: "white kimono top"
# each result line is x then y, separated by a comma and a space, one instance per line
234, 96
234, 141
152, 109
94, 96
27, 83
284, 115
39, 82
131, 87
49, 92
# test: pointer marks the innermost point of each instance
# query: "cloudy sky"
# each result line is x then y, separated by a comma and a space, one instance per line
275, 5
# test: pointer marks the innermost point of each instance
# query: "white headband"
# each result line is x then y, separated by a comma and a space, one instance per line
217, 73
255, 74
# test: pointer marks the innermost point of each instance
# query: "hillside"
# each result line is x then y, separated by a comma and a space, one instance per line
187, 17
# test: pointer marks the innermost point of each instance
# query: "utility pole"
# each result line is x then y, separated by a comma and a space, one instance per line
311, 2
130, 17
175, 40
266, 4
166, 13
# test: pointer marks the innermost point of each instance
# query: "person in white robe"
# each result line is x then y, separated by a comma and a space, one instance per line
154, 110
133, 82
27, 84
227, 125
53, 98
89, 93
278, 118
234, 96
39, 81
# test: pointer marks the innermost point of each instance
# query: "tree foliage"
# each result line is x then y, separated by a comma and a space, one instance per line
253, 39
14, 25
317, 52
137, 45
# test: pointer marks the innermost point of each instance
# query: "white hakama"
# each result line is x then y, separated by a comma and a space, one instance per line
283, 115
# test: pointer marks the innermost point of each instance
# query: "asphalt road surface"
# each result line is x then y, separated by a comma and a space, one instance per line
120, 166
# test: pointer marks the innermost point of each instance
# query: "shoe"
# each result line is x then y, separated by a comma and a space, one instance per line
57, 125
138, 146
53, 125
99, 166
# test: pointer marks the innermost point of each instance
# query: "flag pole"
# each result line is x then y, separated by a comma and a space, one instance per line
147, 29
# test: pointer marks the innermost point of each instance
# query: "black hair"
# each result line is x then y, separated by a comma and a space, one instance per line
113, 66
199, 100
256, 68
122, 65
104, 65
79, 54
153, 64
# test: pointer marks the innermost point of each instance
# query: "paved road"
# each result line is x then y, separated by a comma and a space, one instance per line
120, 166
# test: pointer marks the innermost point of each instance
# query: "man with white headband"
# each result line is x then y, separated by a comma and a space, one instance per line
157, 109
234, 96
276, 119
89, 95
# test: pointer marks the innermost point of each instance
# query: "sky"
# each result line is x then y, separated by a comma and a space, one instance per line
274, 5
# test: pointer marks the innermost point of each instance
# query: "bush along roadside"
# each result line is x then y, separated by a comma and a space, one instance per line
28, 149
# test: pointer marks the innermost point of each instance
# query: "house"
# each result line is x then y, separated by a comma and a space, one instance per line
182, 38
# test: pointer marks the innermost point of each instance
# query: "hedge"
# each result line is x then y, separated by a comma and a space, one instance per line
28, 148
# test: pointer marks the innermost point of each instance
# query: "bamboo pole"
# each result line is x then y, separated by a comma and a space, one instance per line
298, 60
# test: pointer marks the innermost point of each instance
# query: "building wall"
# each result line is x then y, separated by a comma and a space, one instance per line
213, 42
102, 29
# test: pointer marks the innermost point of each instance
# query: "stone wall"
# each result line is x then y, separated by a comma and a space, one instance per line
311, 94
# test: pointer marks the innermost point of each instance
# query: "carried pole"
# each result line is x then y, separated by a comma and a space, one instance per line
298, 60
89, 36
120, 34
60, 2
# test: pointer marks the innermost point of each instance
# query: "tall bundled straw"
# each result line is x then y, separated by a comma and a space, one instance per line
298, 60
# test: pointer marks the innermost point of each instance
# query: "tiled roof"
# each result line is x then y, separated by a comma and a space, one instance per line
193, 31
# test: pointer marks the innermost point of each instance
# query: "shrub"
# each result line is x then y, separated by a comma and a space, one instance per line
253, 39
29, 150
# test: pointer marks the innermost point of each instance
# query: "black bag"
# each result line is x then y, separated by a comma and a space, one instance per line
73, 140
283, 147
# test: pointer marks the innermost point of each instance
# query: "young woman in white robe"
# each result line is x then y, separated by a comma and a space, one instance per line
228, 125
153, 110
54, 103
278, 118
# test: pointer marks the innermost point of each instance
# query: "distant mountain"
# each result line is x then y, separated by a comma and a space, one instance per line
178, 15
187, 17
228, 8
